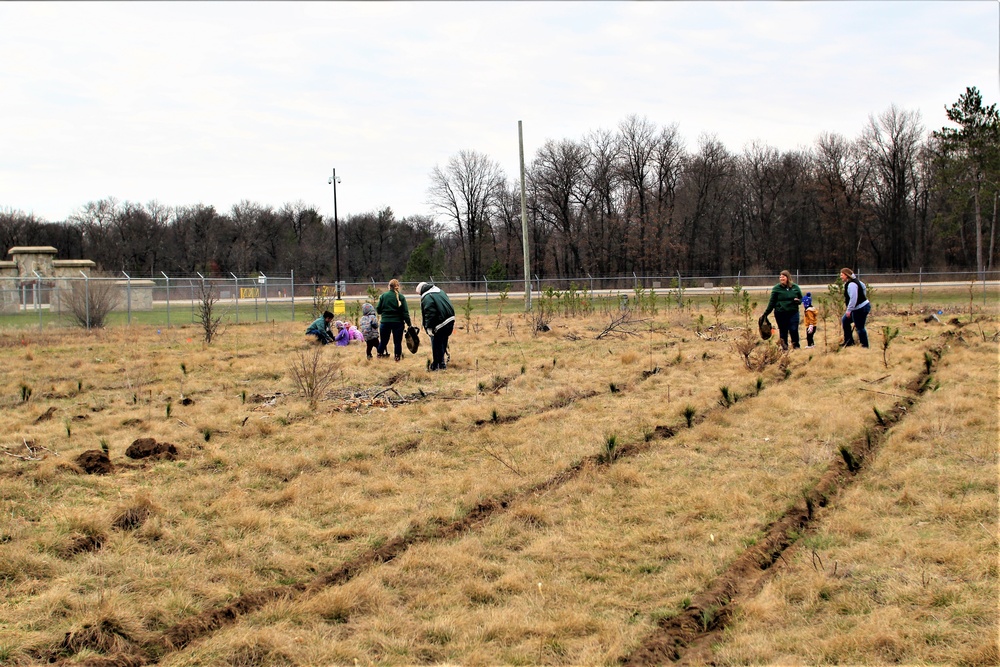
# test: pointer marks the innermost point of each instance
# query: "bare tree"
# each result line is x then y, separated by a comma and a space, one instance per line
558, 173
313, 374
211, 322
891, 142
842, 177
90, 301
605, 236
637, 146
466, 191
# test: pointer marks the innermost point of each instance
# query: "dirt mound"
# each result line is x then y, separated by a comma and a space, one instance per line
95, 462
105, 636
132, 518
148, 447
79, 543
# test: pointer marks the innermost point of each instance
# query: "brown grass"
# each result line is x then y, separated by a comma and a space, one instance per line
258, 516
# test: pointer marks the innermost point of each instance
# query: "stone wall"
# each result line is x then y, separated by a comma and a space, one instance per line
35, 274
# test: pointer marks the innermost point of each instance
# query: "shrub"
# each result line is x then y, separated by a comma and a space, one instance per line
312, 374
89, 302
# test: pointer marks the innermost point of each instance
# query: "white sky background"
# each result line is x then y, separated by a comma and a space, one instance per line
197, 102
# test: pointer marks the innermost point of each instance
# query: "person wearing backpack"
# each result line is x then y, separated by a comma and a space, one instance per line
439, 321
369, 328
856, 308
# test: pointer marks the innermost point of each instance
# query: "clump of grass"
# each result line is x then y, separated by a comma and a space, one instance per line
169, 407
207, 433
105, 447
25, 392
614, 388
69, 428
759, 386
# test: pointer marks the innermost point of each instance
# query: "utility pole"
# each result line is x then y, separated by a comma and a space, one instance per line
524, 226
336, 227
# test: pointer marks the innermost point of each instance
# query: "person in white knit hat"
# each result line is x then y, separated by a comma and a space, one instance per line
439, 321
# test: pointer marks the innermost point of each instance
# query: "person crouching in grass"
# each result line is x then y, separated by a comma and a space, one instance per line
321, 328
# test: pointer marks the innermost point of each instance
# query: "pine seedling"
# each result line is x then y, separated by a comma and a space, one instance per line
689, 413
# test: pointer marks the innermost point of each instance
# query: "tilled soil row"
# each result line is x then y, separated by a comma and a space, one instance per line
201, 625
687, 638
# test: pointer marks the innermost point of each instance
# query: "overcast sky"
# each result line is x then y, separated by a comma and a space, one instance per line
212, 103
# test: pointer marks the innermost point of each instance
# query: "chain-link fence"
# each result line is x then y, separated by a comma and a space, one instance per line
90, 301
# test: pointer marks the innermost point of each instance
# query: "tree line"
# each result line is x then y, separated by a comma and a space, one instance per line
613, 202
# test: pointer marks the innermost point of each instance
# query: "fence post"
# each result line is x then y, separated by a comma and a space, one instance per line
191, 293
38, 297
168, 297
86, 294
487, 282
921, 282
293, 293
237, 296
128, 297
265, 293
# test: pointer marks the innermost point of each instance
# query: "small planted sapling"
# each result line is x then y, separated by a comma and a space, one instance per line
888, 334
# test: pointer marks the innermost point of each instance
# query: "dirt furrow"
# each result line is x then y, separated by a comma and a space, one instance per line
202, 625
687, 637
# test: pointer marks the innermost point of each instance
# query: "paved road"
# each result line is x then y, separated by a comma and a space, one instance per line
991, 286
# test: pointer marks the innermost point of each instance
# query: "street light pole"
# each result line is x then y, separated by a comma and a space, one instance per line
336, 227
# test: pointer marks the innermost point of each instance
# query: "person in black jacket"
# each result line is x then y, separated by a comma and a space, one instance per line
439, 321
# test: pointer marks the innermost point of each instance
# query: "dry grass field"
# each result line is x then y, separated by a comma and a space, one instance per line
553, 497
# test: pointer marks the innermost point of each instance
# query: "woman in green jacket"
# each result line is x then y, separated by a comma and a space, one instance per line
392, 307
785, 299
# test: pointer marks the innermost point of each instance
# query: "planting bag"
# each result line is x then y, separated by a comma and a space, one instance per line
764, 325
412, 339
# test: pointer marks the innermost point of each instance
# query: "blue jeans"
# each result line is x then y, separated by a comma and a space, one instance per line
858, 316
